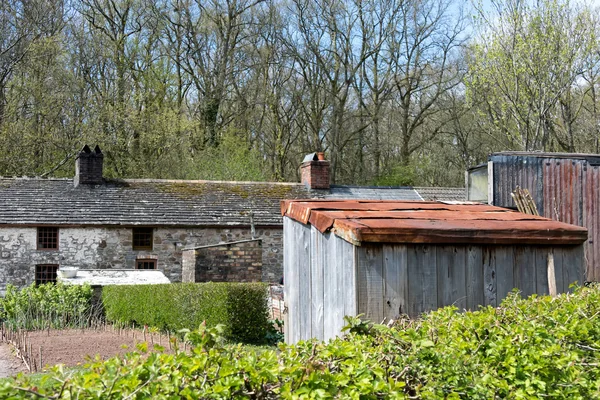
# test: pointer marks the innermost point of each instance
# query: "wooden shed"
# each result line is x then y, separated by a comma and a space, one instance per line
387, 258
564, 187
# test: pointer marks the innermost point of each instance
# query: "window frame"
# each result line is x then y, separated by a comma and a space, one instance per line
37, 275
152, 261
135, 246
40, 245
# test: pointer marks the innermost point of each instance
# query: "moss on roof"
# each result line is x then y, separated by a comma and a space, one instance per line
244, 191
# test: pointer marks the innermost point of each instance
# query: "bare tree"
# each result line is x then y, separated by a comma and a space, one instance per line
425, 52
212, 34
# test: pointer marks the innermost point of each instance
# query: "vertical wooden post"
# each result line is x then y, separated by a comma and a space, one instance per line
551, 274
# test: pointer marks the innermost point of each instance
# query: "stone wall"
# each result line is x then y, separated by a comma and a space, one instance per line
229, 262
104, 247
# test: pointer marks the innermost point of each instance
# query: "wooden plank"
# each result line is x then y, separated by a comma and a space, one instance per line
430, 231
451, 276
396, 283
318, 251
490, 166
474, 277
371, 270
541, 270
558, 269
422, 279
552, 287
361, 281
489, 277
573, 268
349, 273
290, 276
304, 278
505, 282
524, 270
338, 310
329, 290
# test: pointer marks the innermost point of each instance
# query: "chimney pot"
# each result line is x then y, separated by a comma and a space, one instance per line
89, 167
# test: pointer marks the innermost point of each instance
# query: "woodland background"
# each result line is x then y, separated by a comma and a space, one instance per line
395, 92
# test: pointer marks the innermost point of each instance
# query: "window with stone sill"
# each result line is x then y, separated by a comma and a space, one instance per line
143, 238
145, 263
47, 238
45, 273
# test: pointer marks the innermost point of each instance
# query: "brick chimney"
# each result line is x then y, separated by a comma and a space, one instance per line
315, 171
88, 167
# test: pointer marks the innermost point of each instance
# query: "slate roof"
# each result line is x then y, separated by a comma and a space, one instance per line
442, 193
144, 202
372, 193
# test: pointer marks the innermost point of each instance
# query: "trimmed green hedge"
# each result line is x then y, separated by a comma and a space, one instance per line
240, 307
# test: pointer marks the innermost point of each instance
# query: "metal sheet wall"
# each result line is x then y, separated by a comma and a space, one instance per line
564, 189
513, 171
591, 220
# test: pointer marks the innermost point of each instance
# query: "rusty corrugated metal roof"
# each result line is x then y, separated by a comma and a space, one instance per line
429, 222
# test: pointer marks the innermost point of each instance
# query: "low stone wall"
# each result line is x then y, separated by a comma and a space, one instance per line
239, 261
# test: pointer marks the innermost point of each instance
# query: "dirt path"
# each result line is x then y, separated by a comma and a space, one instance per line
9, 364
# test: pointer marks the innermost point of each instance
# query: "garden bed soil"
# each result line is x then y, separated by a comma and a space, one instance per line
75, 347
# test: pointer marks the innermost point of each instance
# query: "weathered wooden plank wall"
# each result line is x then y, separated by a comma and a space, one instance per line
319, 282
339, 284
297, 280
290, 277
475, 285
412, 279
422, 279
395, 272
347, 260
329, 286
370, 281
327, 278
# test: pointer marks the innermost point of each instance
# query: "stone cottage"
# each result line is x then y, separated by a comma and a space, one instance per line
96, 223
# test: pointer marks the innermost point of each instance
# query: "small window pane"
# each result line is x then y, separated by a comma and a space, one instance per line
47, 238
45, 273
145, 264
142, 238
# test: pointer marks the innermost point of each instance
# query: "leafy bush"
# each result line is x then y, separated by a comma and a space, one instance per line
542, 347
47, 306
240, 307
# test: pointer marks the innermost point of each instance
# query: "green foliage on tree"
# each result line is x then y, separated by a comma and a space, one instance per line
524, 66
244, 89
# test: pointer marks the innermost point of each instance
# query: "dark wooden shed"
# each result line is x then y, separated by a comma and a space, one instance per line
387, 258
564, 186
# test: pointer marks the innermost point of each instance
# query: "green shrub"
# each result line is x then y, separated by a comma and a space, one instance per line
47, 306
541, 347
240, 307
